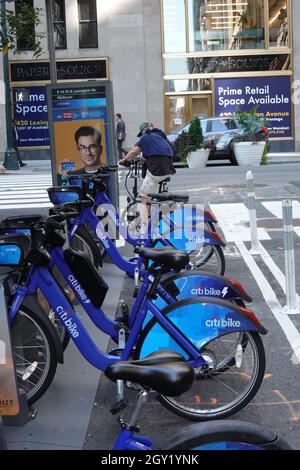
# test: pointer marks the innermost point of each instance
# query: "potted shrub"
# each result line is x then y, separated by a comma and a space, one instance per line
251, 146
182, 147
198, 154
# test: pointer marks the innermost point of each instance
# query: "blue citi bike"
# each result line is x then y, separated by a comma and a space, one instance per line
182, 227
165, 373
223, 345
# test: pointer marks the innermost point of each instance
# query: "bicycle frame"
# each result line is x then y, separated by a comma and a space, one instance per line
41, 278
88, 216
208, 238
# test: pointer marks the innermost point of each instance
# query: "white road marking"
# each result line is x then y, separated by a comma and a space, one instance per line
286, 324
25, 192
275, 207
234, 220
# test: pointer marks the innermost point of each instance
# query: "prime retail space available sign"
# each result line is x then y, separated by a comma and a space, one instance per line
31, 116
271, 95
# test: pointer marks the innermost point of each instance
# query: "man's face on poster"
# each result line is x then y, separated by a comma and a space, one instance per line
89, 150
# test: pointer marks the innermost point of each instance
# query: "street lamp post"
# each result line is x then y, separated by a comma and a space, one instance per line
10, 156
51, 45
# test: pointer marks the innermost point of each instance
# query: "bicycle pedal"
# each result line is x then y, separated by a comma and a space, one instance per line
119, 406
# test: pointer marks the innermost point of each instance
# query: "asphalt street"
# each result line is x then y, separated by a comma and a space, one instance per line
223, 188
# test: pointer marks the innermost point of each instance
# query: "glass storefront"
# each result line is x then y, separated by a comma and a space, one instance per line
206, 41
226, 25
278, 23
174, 25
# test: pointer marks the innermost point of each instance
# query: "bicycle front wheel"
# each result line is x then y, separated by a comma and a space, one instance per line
209, 258
227, 435
236, 369
225, 389
34, 353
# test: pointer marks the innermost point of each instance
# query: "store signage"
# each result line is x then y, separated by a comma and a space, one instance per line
271, 95
31, 116
229, 64
66, 70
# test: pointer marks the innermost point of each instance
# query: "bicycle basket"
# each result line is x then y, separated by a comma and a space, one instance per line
63, 195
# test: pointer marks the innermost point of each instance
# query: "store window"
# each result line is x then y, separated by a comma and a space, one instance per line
174, 26
278, 23
195, 84
226, 24
59, 24
87, 12
25, 41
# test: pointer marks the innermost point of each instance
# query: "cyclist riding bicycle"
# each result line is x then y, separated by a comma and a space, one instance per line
157, 152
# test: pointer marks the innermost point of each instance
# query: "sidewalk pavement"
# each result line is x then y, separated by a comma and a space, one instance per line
32, 166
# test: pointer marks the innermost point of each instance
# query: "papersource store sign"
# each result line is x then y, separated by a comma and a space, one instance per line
271, 95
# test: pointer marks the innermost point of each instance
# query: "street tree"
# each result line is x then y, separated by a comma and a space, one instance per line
21, 25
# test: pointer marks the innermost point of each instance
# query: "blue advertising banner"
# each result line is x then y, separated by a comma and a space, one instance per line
31, 117
271, 95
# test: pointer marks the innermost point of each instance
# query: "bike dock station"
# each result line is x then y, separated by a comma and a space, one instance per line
14, 410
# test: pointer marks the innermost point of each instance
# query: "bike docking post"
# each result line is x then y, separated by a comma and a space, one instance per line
291, 306
14, 410
252, 214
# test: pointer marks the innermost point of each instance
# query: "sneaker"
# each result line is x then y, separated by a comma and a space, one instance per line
23, 164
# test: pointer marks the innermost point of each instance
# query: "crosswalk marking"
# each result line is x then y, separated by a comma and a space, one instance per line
25, 191
234, 221
28, 191
275, 207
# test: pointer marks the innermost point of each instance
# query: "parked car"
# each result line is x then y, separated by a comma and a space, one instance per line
219, 132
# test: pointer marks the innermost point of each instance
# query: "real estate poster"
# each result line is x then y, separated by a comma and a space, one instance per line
31, 116
271, 95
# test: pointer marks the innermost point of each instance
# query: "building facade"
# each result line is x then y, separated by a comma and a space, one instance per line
171, 59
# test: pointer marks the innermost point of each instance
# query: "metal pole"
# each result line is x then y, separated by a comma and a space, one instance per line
10, 156
291, 306
51, 45
252, 214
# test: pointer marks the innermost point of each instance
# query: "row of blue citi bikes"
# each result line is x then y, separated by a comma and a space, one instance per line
187, 337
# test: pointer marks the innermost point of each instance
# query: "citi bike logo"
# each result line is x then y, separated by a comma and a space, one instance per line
209, 291
223, 323
102, 237
80, 291
71, 327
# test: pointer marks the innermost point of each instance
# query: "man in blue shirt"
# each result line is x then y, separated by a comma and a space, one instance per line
158, 154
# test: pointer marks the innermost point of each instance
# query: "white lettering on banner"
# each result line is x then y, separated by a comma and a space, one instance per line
23, 110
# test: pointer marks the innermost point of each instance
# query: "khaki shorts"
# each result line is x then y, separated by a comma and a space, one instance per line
151, 184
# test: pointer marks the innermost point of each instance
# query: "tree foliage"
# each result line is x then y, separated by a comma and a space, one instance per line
22, 24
